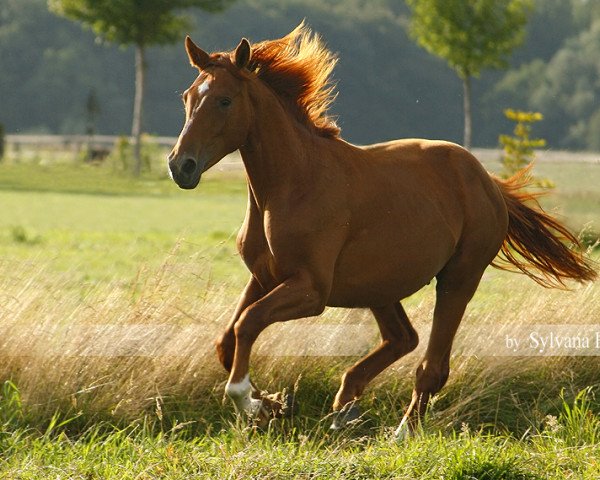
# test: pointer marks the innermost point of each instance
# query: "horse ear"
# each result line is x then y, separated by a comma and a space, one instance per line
243, 52
198, 57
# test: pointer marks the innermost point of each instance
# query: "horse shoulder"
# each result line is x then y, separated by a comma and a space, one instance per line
307, 235
251, 241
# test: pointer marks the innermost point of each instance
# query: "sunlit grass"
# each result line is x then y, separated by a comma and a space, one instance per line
111, 296
562, 446
128, 227
112, 352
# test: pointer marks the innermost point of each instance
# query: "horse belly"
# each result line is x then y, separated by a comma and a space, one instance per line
376, 270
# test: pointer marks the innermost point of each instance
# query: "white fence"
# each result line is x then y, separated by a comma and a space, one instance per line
77, 142
53, 147
71, 141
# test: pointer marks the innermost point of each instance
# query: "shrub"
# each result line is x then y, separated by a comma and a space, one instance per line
519, 149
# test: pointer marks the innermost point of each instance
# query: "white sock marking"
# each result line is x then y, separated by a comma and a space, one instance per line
402, 433
240, 394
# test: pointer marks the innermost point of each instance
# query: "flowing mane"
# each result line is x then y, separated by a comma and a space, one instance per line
298, 68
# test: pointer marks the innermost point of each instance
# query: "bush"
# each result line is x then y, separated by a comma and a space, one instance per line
519, 149
122, 153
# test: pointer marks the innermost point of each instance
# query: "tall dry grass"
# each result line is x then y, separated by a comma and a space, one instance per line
118, 351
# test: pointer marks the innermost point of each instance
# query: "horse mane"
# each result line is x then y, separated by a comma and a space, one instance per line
298, 68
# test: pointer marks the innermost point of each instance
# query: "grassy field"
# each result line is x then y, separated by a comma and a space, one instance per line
111, 291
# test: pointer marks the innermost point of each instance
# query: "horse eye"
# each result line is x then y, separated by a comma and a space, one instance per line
225, 102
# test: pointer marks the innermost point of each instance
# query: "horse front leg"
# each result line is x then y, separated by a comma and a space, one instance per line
295, 298
225, 344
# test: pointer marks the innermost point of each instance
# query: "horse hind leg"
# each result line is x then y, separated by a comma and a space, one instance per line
454, 290
398, 337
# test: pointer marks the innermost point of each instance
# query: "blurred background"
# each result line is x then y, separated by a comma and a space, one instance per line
57, 77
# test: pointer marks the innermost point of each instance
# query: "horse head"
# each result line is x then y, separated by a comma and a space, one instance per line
217, 113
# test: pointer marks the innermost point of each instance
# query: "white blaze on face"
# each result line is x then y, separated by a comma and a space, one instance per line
203, 87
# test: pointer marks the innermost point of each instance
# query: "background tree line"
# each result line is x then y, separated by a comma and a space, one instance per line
388, 86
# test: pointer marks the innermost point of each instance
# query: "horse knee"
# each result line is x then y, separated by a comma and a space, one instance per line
248, 327
353, 380
351, 388
225, 346
444, 377
412, 342
404, 345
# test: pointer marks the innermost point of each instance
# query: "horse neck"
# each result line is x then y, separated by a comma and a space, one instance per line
277, 153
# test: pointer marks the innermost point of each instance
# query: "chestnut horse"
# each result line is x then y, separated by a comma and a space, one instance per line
333, 224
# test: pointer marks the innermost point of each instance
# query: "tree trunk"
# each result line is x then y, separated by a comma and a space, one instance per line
467, 111
138, 108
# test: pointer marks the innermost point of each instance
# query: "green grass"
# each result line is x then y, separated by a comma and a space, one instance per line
564, 446
83, 246
576, 196
101, 226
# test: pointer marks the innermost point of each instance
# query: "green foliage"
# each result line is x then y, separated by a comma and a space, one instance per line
579, 424
519, 149
470, 36
151, 152
122, 154
589, 237
22, 235
389, 87
564, 88
151, 22
2, 142
294, 450
587, 12
11, 406
476, 467
122, 159
132, 417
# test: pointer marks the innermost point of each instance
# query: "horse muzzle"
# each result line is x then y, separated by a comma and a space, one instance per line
186, 170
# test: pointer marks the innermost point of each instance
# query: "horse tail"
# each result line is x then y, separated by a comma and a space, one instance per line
536, 243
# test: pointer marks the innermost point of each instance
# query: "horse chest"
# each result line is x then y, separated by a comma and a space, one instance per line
264, 251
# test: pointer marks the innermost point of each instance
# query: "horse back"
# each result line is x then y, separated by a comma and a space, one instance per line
443, 172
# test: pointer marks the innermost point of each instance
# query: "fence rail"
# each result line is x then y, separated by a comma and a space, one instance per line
76, 142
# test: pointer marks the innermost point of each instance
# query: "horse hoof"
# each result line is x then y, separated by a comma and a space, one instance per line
271, 407
349, 413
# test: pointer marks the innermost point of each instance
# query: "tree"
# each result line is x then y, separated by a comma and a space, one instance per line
518, 150
141, 23
470, 35
565, 89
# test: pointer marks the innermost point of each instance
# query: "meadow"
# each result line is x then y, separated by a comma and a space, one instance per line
113, 289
